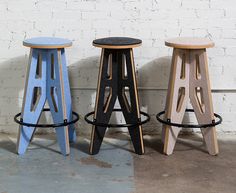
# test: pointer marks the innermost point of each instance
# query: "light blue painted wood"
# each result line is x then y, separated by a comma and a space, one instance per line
47, 42
58, 106
58, 112
32, 116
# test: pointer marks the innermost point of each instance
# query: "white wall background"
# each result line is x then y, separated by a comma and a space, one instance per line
150, 20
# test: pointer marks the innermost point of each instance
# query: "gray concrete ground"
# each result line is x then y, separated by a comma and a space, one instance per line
116, 169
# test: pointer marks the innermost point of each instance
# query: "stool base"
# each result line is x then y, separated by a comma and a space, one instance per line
117, 73
47, 80
189, 79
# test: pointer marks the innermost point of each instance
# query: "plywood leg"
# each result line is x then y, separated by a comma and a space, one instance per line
130, 107
57, 99
107, 80
34, 97
67, 96
201, 99
177, 97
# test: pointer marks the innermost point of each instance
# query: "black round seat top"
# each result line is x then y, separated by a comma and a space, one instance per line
117, 42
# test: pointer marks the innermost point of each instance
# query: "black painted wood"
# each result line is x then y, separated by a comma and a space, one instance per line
117, 82
117, 41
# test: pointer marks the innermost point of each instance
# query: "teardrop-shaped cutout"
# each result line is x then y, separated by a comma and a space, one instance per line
39, 67
109, 67
124, 67
181, 95
197, 68
183, 67
200, 99
126, 97
107, 98
53, 97
36, 96
52, 67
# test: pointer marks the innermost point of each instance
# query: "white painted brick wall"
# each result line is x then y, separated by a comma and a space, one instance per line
151, 20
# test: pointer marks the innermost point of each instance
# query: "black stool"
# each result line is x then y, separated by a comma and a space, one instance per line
116, 76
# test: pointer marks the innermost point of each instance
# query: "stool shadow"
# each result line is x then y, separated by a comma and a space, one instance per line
47, 147
12, 79
120, 136
83, 76
184, 143
82, 146
155, 144
8, 145
193, 138
153, 78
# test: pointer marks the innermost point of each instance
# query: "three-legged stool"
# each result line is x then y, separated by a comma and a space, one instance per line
47, 80
116, 76
189, 79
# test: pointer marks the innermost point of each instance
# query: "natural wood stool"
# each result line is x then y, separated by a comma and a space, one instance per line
47, 80
116, 75
189, 78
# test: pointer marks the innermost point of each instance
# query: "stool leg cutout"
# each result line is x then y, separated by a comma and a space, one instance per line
31, 109
201, 99
177, 97
55, 97
103, 112
131, 112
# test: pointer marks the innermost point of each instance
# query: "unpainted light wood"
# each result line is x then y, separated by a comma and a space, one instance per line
170, 134
190, 83
136, 101
62, 133
189, 43
47, 47
117, 47
207, 116
67, 97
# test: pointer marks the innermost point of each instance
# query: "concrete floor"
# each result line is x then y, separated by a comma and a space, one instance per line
116, 169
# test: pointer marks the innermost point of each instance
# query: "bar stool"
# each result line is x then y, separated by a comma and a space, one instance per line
189, 79
116, 76
47, 80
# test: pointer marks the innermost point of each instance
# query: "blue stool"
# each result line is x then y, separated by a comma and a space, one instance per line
47, 80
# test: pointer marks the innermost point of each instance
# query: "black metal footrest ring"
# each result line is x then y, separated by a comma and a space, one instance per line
94, 122
65, 122
168, 121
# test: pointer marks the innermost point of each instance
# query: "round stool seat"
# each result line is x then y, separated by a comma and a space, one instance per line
47, 43
189, 43
117, 42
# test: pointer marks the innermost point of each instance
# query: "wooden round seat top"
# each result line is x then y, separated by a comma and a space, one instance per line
47, 43
117, 42
189, 43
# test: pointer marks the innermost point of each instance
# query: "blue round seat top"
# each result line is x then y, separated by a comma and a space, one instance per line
47, 43
117, 42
